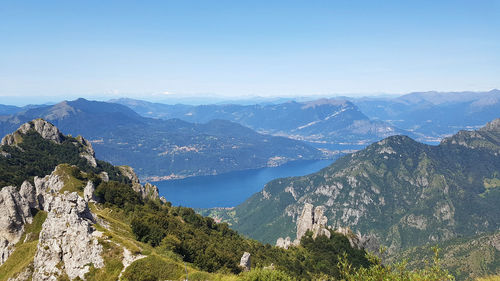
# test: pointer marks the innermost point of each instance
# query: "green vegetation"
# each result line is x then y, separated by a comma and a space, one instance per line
113, 256
153, 268
489, 278
213, 247
394, 272
36, 156
466, 258
267, 275
24, 251
400, 190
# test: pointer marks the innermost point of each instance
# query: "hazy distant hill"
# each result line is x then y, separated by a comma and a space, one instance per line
164, 147
435, 114
406, 193
325, 120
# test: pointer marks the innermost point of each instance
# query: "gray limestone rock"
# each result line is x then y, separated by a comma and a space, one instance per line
284, 243
313, 220
68, 241
305, 221
245, 261
129, 173
42, 127
147, 191
88, 192
88, 152
104, 176
14, 214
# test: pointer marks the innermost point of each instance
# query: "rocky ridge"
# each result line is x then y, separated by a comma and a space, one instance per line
313, 219
49, 132
68, 243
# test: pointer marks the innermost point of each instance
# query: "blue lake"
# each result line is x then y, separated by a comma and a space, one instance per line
230, 189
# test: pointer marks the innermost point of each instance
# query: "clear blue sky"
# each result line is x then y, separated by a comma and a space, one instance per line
235, 48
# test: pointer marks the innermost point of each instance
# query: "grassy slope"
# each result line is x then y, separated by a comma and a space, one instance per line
25, 250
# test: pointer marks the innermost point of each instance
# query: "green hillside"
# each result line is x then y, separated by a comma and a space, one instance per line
404, 192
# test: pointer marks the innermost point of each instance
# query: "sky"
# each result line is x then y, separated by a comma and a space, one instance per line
53, 50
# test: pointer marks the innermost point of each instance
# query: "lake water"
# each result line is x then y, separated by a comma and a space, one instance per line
230, 189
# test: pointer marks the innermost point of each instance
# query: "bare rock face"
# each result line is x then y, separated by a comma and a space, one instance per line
147, 191
104, 176
129, 173
284, 243
88, 192
150, 192
68, 242
44, 128
305, 221
14, 214
245, 261
313, 220
88, 152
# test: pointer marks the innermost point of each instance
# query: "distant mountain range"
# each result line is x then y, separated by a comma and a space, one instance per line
324, 121
171, 148
434, 115
404, 192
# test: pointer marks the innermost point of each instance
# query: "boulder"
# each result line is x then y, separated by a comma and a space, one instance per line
245, 261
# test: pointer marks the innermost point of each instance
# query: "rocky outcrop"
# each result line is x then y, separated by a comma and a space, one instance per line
88, 152
104, 176
367, 242
150, 192
68, 242
88, 192
15, 213
128, 172
50, 132
245, 261
313, 220
284, 243
147, 191
42, 127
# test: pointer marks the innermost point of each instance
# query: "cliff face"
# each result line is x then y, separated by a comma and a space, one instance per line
313, 219
15, 213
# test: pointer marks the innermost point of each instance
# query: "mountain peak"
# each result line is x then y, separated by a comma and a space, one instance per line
45, 129
492, 126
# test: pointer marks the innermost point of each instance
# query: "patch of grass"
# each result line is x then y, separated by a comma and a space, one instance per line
489, 278
119, 231
113, 256
24, 252
22, 256
72, 178
153, 268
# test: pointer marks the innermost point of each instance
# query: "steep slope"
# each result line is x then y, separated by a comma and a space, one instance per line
404, 192
166, 148
467, 258
320, 121
75, 223
434, 115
